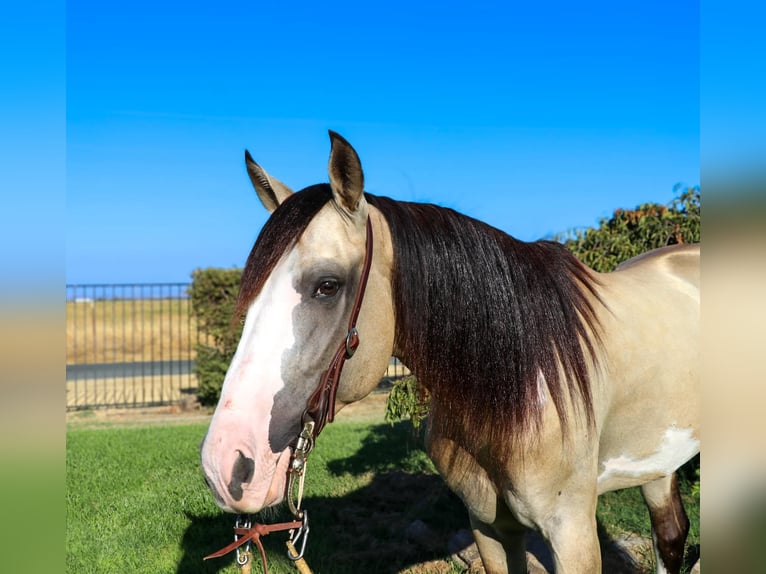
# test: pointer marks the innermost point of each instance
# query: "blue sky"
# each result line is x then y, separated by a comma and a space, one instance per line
536, 119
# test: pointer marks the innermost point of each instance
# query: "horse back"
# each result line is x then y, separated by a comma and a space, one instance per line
681, 261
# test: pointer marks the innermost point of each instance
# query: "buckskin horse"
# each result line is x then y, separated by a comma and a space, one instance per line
549, 383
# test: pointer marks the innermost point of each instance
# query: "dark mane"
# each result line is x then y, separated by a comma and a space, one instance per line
479, 314
279, 233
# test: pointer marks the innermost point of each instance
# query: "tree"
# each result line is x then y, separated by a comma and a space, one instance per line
630, 232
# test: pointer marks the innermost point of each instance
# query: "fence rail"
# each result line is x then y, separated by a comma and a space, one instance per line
134, 345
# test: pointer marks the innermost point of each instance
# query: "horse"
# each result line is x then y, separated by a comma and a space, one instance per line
549, 383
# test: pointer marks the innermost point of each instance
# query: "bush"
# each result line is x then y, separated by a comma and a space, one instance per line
630, 232
407, 399
213, 295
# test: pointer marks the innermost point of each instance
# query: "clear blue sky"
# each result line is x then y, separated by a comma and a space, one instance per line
536, 119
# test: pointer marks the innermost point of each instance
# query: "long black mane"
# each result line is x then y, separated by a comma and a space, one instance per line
480, 315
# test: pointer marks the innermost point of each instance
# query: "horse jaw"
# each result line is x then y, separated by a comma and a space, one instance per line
241, 469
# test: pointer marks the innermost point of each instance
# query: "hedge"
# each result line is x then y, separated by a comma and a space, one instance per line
213, 294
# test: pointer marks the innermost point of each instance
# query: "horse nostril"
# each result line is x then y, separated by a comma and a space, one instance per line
241, 472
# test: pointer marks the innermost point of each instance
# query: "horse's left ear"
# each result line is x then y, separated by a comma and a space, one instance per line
346, 176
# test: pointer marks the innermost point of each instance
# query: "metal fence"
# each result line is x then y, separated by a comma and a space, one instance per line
129, 345
133, 345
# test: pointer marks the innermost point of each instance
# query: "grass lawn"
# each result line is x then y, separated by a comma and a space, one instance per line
136, 502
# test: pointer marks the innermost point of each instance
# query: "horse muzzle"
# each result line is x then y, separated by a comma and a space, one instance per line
242, 482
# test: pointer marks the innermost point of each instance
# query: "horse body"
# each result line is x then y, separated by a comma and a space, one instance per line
584, 383
647, 408
652, 367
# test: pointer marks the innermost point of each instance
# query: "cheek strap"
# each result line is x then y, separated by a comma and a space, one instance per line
320, 407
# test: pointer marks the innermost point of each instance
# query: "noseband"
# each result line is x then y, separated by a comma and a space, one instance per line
320, 410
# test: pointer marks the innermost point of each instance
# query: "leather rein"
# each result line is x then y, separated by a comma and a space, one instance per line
320, 410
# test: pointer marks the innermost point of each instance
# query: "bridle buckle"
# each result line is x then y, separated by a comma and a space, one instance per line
352, 342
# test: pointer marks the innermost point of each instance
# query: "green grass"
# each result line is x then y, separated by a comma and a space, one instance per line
136, 502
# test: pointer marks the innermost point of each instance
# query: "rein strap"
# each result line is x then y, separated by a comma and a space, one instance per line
253, 534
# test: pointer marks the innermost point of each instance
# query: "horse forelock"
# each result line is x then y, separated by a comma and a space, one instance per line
278, 235
481, 315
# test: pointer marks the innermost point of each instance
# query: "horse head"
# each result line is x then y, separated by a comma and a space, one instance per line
297, 293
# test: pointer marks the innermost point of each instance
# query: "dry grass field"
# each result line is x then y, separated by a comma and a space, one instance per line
129, 330
151, 330
114, 330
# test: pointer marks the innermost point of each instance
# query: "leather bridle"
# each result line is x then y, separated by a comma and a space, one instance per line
320, 407
320, 410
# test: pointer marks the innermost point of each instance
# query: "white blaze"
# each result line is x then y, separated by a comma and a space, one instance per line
255, 373
243, 415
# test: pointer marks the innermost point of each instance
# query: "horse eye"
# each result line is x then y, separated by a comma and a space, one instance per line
327, 288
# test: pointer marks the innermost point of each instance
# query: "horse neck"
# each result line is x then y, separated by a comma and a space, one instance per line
480, 314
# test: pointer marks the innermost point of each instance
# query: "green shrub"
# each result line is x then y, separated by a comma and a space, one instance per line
213, 295
630, 232
407, 399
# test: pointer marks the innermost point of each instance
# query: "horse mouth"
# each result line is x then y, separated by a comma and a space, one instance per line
278, 487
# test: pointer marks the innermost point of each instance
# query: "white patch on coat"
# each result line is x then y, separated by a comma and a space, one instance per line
266, 335
677, 446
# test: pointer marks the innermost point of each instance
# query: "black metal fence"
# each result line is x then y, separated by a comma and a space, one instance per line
133, 345
129, 345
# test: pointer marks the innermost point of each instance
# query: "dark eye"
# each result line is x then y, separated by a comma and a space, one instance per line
327, 288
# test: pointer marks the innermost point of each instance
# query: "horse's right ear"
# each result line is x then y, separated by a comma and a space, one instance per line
270, 190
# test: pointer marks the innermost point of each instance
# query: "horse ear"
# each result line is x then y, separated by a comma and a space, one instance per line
346, 176
270, 190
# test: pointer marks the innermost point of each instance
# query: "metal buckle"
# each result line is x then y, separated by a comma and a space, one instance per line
305, 443
303, 447
303, 531
352, 342
243, 557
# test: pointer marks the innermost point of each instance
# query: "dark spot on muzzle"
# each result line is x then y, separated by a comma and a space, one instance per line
242, 472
